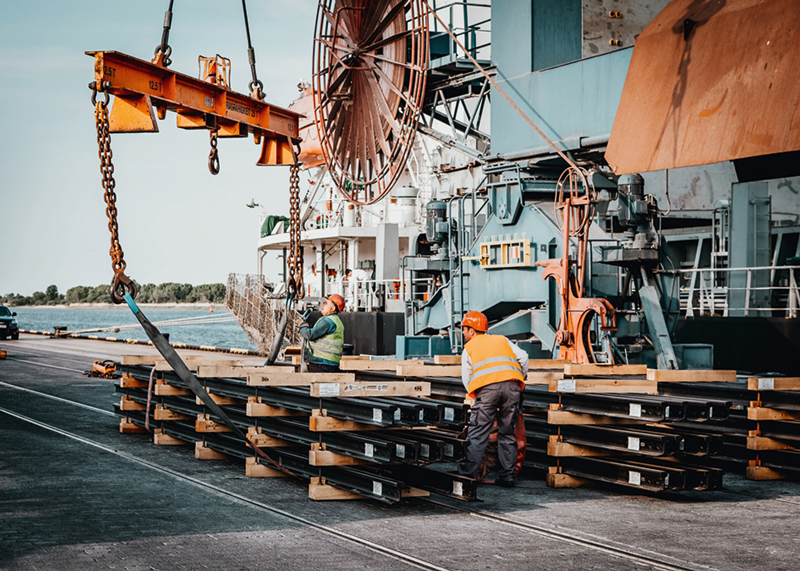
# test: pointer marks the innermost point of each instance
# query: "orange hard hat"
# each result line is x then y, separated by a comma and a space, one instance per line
476, 320
338, 301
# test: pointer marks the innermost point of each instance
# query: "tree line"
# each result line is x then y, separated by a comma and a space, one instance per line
148, 293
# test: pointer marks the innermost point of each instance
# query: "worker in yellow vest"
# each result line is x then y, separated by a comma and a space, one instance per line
493, 371
325, 345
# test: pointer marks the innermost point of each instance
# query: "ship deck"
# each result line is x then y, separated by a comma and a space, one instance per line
77, 494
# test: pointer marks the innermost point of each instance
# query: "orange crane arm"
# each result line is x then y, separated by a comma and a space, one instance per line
141, 87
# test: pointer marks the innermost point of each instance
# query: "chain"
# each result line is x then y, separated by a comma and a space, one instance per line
294, 263
121, 282
213, 155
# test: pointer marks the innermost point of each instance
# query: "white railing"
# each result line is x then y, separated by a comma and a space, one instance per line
366, 295
767, 290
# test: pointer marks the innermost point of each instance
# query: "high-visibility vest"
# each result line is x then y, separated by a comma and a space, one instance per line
331, 346
493, 361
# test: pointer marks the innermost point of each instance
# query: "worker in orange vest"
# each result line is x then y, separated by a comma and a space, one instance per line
493, 371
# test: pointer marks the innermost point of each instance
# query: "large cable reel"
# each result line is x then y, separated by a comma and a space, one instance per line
369, 68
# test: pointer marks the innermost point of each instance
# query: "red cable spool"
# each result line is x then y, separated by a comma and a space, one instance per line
370, 65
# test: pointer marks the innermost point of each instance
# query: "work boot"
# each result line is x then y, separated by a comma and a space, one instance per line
505, 483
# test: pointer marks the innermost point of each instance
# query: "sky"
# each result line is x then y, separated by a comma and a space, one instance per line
177, 222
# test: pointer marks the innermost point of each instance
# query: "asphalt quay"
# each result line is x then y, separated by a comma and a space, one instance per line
77, 494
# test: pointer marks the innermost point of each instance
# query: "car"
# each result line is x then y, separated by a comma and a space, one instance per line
8, 325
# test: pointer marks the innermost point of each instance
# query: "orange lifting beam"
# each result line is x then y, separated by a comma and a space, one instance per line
143, 89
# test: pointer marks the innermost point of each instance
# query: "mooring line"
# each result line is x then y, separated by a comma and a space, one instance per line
386, 551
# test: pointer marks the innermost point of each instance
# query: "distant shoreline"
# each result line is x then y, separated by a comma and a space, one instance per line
215, 306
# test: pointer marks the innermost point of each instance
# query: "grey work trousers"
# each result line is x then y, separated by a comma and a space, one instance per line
501, 401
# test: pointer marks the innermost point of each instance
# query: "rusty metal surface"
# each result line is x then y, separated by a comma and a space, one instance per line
710, 81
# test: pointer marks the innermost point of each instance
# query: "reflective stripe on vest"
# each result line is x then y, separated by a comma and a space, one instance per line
493, 361
331, 346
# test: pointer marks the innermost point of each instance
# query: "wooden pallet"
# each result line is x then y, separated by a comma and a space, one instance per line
773, 383
255, 408
758, 413
375, 365
254, 468
691, 376
370, 389
320, 456
556, 479
203, 452
610, 386
598, 369
428, 370
284, 379
320, 422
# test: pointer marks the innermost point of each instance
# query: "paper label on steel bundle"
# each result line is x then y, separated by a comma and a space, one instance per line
425, 450
635, 478
400, 450
449, 413
458, 488
449, 450
377, 414
566, 386
633, 443
369, 450
766, 384
635, 410
377, 488
328, 389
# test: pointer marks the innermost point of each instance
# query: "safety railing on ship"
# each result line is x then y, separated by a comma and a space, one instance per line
767, 291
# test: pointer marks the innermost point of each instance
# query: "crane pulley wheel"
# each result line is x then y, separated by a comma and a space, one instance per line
370, 64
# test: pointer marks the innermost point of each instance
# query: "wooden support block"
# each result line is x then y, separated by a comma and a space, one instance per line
556, 479
139, 359
128, 382
203, 452
428, 370
126, 426
220, 400
598, 369
763, 473
764, 443
319, 456
264, 440
319, 490
447, 359
194, 362
297, 379
127, 403
255, 469
691, 376
414, 493
545, 364
255, 407
773, 383
543, 377
164, 389
163, 439
565, 449
204, 424
297, 360
616, 386
235, 372
355, 358
371, 389
566, 417
161, 412
375, 365
319, 422
760, 413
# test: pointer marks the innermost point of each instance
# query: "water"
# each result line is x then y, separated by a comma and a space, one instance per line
228, 335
